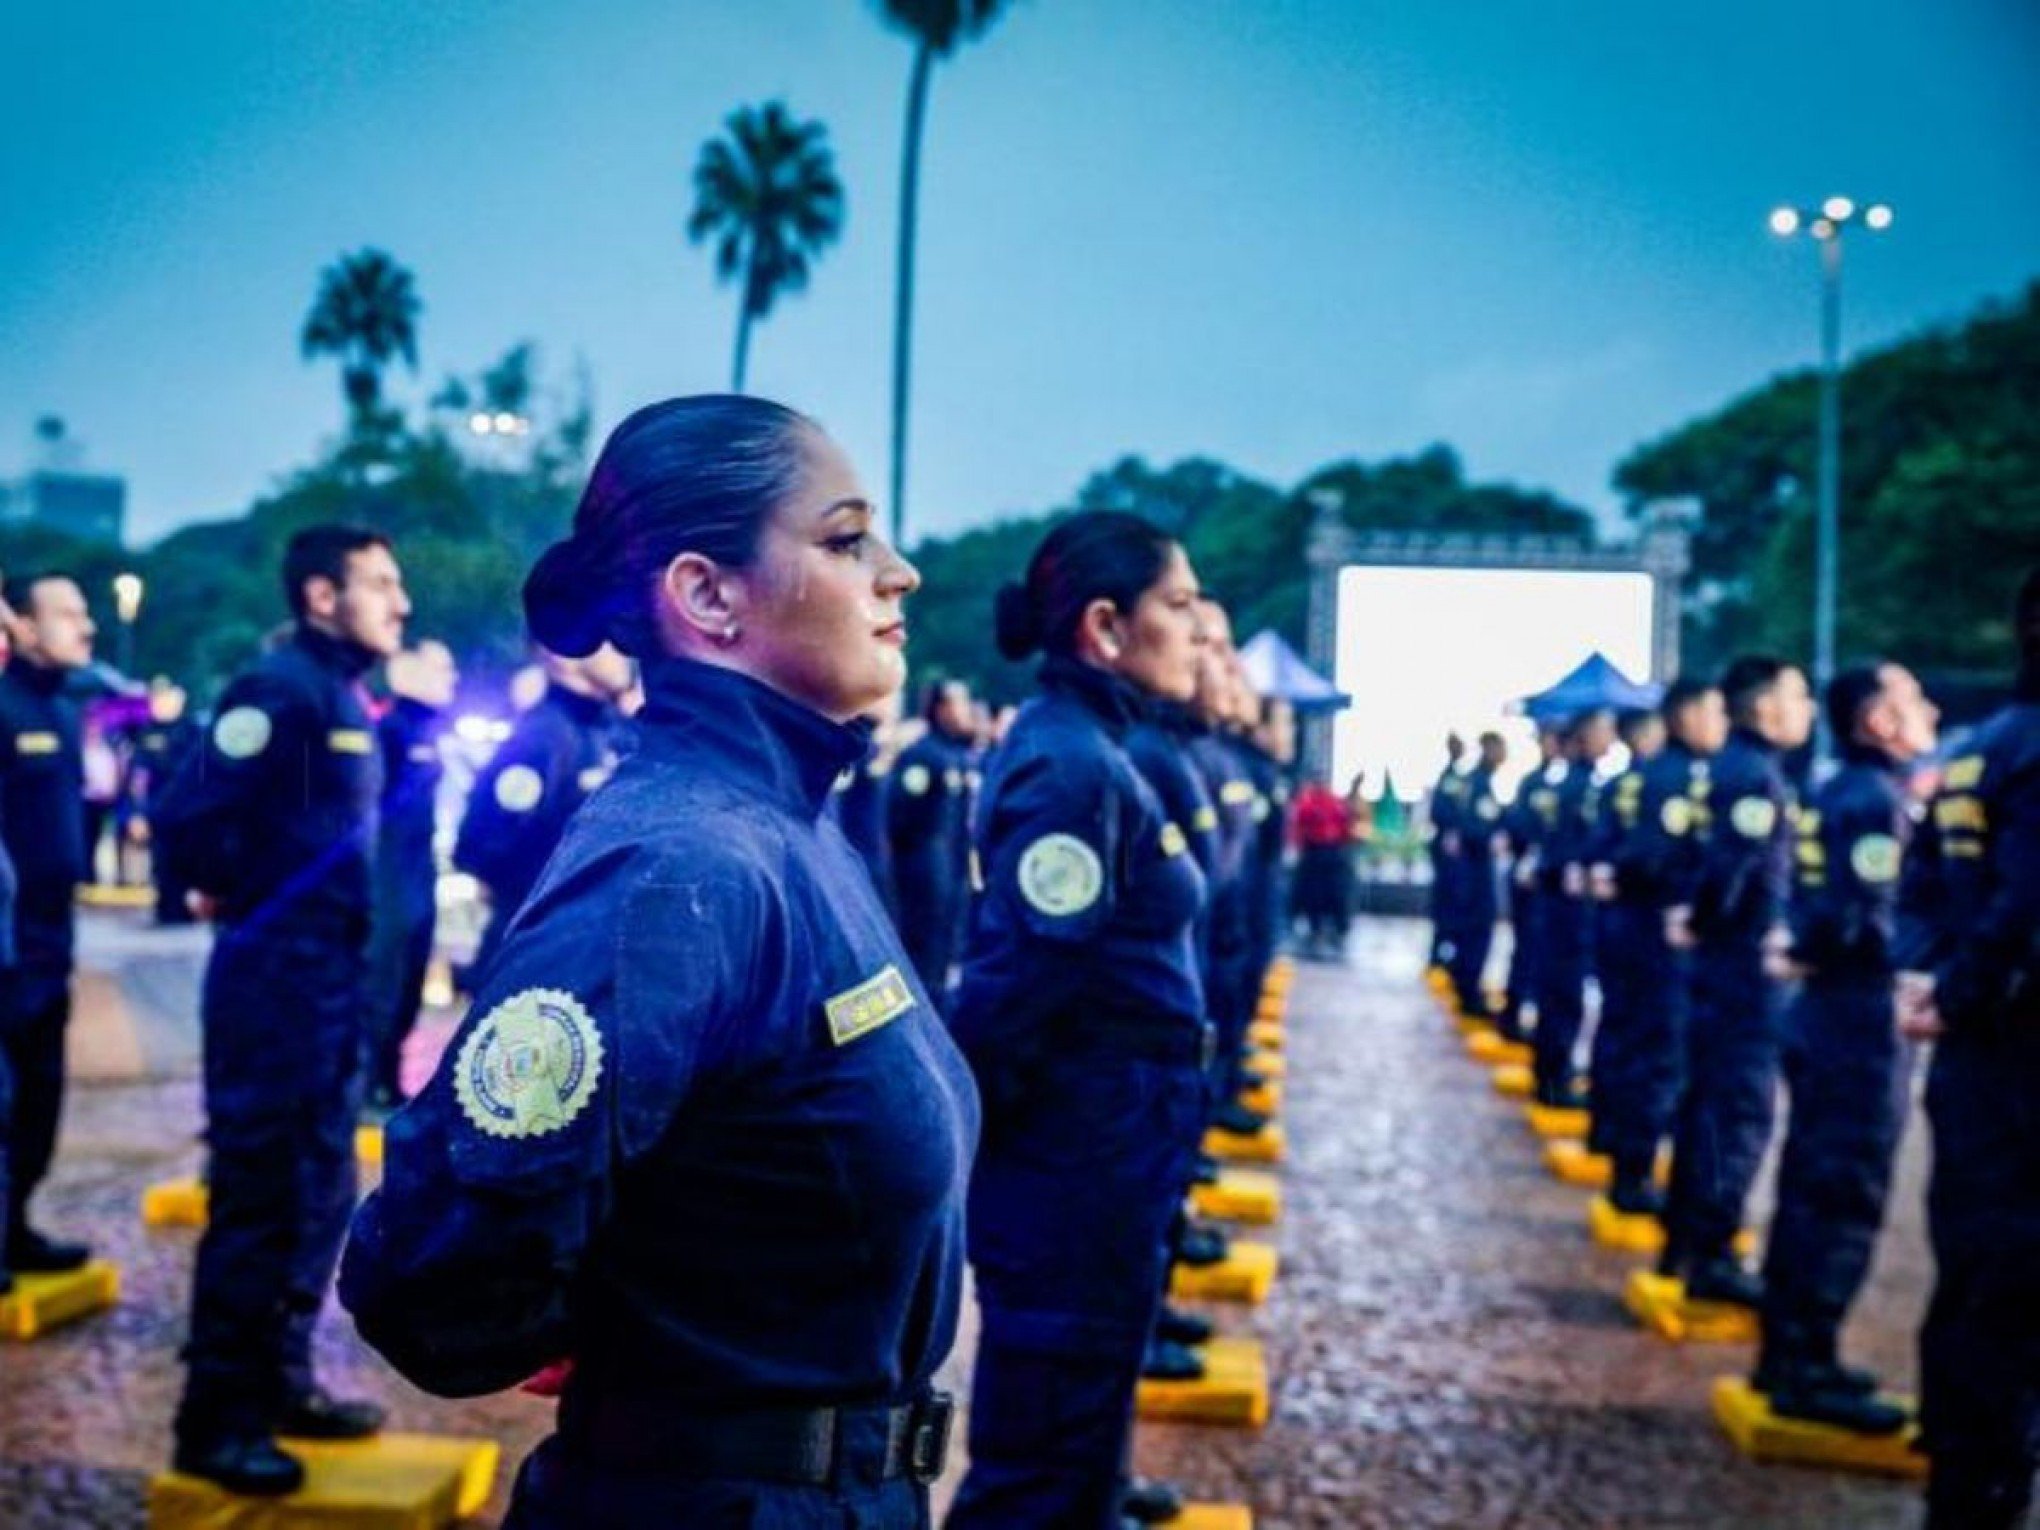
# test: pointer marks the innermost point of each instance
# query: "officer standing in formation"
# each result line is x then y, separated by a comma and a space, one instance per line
703, 1136
558, 752
274, 824
1466, 852
1969, 953
928, 834
42, 825
1448, 799
1564, 852
422, 682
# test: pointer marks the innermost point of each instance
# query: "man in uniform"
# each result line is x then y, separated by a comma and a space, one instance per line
928, 834
422, 683
1844, 1066
1524, 825
1563, 858
1448, 799
1970, 981
273, 822
42, 818
1737, 917
556, 755
1471, 847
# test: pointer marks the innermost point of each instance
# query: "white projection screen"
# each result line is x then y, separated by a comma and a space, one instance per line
1427, 651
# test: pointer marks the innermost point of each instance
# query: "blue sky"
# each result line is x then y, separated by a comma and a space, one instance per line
1273, 231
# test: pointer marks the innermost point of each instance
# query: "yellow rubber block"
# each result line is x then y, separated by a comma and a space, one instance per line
175, 1203
1240, 1195
107, 895
1659, 1303
1265, 1033
368, 1146
1246, 1274
1514, 1081
1271, 1007
1763, 1436
1471, 1026
1490, 1046
1268, 1064
1265, 1098
1264, 1146
1631, 1232
390, 1482
1550, 1121
39, 1303
1437, 978
1570, 1163
1214, 1516
1233, 1389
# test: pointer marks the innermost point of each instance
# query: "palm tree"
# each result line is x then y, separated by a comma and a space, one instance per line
366, 315
937, 28
768, 195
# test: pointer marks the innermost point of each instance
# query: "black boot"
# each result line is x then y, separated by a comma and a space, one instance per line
1565, 1094
1232, 1116
30, 1253
319, 1415
1636, 1196
1818, 1395
1171, 1362
250, 1464
1199, 1246
1724, 1281
1144, 1501
1176, 1326
1204, 1171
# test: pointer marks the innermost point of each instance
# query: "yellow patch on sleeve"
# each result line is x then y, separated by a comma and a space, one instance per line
1963, 774
35, 743
1754, 817
1874, 858
874, 1002
1206, 819
530, 1067
1173, 842
350, 741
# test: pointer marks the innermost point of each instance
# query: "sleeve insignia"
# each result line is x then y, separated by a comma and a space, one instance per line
1874, 858
35, 743
1206, 819
530, 1067
241, 733
519, 789
874, 1002
914, 780
350, 741
1061, 875
1754, 817
1173, 842
1489, 810
1964, 774
1676, 816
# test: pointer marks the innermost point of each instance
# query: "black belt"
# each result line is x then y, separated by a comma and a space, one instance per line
804, 1446
1163, 1040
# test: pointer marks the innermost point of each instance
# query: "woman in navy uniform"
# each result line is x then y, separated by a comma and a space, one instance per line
702, 1134
1082, 1014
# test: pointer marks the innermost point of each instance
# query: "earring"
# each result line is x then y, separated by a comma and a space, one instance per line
728, 634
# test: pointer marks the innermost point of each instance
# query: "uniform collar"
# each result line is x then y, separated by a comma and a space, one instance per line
1853, 753
346, 659
790, 752
1750, 738
1115, 702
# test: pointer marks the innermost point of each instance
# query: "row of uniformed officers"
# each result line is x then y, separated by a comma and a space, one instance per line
713, 1142
1746, 934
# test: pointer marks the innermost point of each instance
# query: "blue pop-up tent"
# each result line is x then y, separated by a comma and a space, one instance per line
1275, 669
1594, 684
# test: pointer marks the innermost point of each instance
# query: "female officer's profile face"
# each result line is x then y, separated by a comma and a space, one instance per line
1156, 645
817, 614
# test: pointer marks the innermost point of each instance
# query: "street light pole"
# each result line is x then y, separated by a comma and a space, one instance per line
1825, 224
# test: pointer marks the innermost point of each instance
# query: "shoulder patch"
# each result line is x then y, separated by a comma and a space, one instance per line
1060, 875
1173, 842
1206, 819
874, 1002
1676, 816
1754, 817
531, 1066
350, 741
241, 733
1489, 810
519, 789
1874, 858
914, 780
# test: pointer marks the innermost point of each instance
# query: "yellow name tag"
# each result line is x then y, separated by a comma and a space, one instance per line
874, 1002
35, 743
350, 741
1233, 793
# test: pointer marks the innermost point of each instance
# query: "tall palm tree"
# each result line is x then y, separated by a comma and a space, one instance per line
366, 315
937, 28
767, 193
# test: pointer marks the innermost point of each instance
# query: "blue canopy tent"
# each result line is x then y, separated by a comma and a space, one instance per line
1594, 684
1276, 669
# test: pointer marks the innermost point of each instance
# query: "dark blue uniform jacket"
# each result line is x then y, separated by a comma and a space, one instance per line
1852, 844
1744, 875
42, 815
557, 753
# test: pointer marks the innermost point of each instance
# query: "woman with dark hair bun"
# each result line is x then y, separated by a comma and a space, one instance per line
1081, 1013
701, 1144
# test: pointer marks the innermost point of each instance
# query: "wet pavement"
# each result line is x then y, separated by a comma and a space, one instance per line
1447, 1346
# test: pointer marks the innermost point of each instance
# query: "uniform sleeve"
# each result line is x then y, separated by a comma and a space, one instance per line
1995, 959
249, 758
514, 808
913, 800
463, 1267
1053, 848
1845, 883
1737, 853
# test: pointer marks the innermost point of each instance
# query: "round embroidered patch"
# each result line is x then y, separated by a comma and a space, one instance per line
1061, 875
1676, 816
1754, 817
531, 1066
914, 780
1262, 808
1874, 858
1173, 842
519, 789
241, 733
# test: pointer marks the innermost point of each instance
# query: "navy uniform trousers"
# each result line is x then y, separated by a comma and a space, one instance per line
1566, 954
283, 1042
1639, 1044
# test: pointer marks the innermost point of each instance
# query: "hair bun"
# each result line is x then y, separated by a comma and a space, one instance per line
563, 601
1016, 624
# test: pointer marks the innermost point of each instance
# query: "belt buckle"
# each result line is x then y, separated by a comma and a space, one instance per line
1207, 1046
928, 1437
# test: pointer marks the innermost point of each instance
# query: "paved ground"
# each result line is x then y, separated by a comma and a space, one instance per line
1448, 1348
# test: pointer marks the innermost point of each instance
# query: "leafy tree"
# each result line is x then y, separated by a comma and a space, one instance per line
936, 28
768, 195
366, 316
